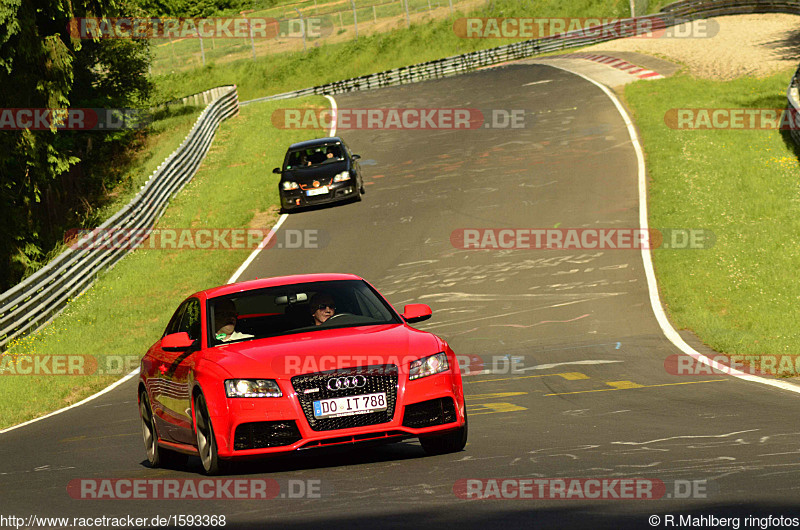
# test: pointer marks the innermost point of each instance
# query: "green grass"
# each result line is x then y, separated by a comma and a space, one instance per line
276, 73
740, 296
127, 308
335, 17
164, 135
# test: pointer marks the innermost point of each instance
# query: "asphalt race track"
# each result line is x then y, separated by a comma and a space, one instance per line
588, 396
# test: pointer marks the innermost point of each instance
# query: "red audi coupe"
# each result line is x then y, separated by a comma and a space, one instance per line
293, 363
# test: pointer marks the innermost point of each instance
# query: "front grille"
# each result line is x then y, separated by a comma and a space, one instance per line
430, 413
379, 378
388, 436
261, 434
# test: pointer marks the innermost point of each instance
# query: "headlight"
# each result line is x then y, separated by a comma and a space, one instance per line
289, 185
341, 177
252, 388
428, 366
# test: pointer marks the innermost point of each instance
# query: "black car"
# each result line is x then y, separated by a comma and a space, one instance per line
318, 172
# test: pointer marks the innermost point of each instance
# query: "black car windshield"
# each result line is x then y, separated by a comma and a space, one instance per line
296, 308
314, 156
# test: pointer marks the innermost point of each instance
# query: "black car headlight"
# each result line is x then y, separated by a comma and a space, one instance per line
341, 177
428, 366
289, 185
252, 388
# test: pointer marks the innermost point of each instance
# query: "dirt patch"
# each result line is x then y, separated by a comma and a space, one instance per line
745, 45
264, 220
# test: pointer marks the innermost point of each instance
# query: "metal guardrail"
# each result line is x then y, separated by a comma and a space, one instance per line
201, 98
459, 64
38, 299
695, 9
670, 15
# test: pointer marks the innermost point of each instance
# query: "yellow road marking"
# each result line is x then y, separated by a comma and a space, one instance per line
573, 376
569, 376
619, 385
495, 395
640, 386
492, 408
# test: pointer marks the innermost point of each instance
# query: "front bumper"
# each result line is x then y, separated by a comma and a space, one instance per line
300, 199
262, 426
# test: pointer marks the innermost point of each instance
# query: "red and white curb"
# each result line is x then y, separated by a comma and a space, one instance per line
613, 62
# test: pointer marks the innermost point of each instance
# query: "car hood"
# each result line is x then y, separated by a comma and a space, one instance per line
288, 355
308, 175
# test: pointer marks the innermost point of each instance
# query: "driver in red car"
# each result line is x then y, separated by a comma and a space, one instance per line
322, 307
225, 317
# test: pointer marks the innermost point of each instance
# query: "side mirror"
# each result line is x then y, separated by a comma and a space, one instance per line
416, 313
277, 171
176, 342
356, 157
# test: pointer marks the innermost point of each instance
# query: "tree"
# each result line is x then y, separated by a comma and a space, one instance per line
43, 67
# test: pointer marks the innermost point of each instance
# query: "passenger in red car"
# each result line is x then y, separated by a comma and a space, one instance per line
322, 307
225, 316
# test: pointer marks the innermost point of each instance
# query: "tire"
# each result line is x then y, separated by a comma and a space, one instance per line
451, 442
156, 455
206, 442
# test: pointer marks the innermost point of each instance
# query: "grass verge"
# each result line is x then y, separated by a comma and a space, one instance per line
738, 296
126, 310
164, 135
277, 73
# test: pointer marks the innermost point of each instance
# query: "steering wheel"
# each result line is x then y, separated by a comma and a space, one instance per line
337, 315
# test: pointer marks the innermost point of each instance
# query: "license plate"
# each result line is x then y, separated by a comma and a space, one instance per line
350, 406
317, 191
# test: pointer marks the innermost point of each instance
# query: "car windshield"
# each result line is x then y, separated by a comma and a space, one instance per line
314, 156
296, 308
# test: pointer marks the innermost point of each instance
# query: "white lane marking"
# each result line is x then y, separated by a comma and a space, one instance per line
538, 82
334, 111
685, 437
476, 297
136, 372
422, 262
282, 218
553, 365
457, 322
40, 468
655, 300
258, 249
78, 404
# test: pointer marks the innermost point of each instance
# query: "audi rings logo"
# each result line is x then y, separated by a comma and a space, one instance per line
351, 381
